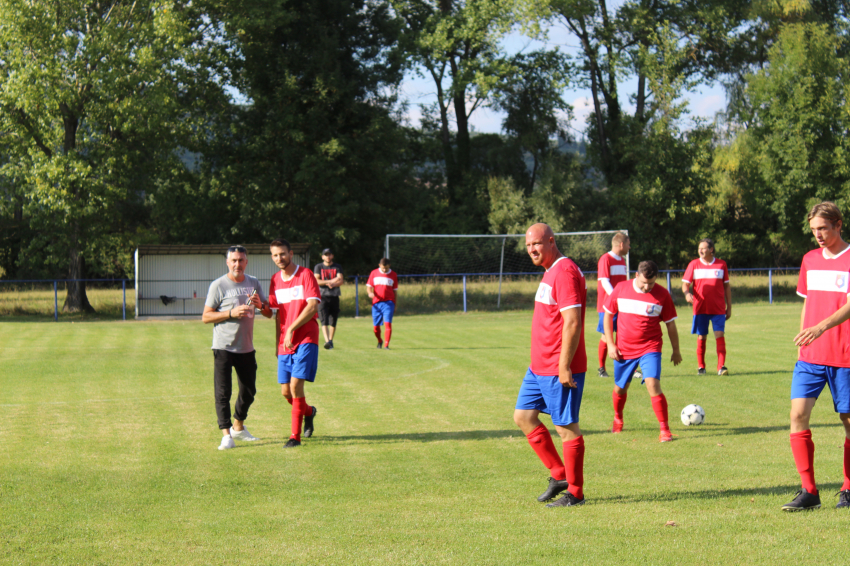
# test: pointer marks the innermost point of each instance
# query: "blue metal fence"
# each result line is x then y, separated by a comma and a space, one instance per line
56, 290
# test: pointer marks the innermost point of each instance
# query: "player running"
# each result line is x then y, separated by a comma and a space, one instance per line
642, 306
381, 286
295, 294
611, 271
823, 284
554, 382
712, 301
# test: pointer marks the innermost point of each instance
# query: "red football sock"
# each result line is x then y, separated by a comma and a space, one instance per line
377, 331
721, 352
299, 409
288, 399
389, 327
603, 353
619, 404
846, 484
804, 457
541, 442
700, 353
659, 405
574, 465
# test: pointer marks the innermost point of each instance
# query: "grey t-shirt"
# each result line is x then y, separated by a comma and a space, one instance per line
235, 335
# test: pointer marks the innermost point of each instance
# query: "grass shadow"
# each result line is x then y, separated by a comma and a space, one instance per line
777, 491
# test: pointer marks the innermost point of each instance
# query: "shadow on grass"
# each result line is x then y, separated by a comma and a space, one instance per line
719, 429
424, 436
783, 491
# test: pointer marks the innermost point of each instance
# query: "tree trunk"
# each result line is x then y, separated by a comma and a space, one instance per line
76, 300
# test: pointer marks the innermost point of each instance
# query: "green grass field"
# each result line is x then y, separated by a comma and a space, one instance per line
108, 453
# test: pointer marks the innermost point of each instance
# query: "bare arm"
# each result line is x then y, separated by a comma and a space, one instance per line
809, 335
608, 325
370, 291
673, 335
727, 289
210, 315
570, 337
686, 290
306, 314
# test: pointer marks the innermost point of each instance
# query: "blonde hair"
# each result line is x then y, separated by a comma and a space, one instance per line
619, 238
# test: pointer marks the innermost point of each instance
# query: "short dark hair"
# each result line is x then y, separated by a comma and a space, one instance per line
235, 249
280, 243
827, 210
385, 262
648, 269
708, 241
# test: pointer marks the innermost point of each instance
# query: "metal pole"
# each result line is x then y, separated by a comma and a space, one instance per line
55, 303
464, 293
124, 302
501, 269
668, 282
770, 284
387, 247
356, 297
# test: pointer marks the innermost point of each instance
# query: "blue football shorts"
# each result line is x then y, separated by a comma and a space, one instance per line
700, 324
600, 328
545, 393
809, 380
382, 312
301, 365
650, 366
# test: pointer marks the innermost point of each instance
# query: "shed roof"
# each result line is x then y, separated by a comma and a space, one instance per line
208, 249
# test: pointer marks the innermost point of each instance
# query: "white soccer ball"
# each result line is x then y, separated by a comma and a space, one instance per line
693, 415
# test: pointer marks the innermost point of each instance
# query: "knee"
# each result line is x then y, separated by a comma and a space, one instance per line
799, 417
521, 420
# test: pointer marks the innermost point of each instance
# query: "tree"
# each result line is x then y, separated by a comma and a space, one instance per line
92, 101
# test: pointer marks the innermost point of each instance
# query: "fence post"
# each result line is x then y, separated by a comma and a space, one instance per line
55, 303
356, 297
770, 284
124, 301
464, 293
668, 282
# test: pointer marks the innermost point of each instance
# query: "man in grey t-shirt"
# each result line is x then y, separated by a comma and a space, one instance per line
230, 305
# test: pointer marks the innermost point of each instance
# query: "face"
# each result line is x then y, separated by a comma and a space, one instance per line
540, 248
236, 264
705, 251
623, 247
328, 258
281, 257
643, 283
825, 232
384, 268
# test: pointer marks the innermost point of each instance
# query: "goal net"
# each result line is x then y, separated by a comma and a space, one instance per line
499, 256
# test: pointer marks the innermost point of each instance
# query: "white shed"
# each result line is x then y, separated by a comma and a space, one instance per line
174, 280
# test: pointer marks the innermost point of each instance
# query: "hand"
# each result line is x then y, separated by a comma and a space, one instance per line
287, 340
255, 300
690, 297
371, 295
728, 313
241, 311
676, 358
614, 352
808, 335
565, 376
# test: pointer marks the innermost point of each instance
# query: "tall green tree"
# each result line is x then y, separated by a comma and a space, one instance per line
93, 98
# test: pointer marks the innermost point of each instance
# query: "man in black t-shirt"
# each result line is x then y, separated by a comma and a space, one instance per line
329, 277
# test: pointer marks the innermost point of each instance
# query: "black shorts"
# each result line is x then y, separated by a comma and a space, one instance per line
329, 311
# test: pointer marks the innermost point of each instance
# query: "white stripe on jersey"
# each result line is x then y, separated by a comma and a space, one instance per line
708, 274
618, 270
544, 295
285, 296
826, 280
383, 281
642, 308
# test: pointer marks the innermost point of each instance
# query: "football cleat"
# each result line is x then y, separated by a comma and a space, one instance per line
803, 501
601, 372
568, 500
637, 374
380, 345
555, 487
723, 371
665, 436
328, 345
617, 426
292, 443
843, 499
308, 423
700, 371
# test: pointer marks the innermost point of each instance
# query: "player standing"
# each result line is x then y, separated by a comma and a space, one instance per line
329, 277
295, 294
712, 301
381, 286
554, 382
823, 284
642, 306
611, 270
230, 305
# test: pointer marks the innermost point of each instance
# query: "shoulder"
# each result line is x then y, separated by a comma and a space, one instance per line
317, 268
660, 293
251, 280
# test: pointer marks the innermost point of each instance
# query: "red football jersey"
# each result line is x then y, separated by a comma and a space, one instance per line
824, 284
613, 268
290, 299
383, 284
707, 285
563, 287
640, 318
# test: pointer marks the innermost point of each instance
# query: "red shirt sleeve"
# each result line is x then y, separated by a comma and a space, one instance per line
611, 301
668, 309
725, 273
688, 277
568, 290
604, 267
272, 296
371, 281
311, 287
802, 287
395, 281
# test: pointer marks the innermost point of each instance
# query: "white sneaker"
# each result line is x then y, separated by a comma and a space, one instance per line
227, 443
242, 435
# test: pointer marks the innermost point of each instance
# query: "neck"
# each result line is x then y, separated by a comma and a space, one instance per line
327, 262
552, 260
836, 248
289, 269
236, 278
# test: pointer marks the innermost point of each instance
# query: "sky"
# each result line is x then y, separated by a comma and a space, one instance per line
704, 102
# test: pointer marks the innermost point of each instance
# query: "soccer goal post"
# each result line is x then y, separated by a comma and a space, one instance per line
494, 255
